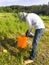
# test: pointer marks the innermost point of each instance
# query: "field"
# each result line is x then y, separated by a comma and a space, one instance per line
10, 28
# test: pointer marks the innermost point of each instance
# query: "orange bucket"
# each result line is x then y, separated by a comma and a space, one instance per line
22, 41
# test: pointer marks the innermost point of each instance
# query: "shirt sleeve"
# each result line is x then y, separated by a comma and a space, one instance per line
30, 25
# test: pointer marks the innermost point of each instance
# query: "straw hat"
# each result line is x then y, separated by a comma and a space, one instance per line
22, 15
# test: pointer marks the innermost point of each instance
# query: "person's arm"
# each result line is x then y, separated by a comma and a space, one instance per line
28, 33
30, 25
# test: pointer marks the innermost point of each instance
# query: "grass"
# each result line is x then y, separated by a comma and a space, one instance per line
10, 28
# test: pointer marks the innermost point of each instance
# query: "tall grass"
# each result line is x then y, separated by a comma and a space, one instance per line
10, 24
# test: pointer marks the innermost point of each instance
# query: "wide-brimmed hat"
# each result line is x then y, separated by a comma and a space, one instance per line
22, 14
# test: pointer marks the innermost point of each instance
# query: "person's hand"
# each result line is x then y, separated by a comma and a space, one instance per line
27, 33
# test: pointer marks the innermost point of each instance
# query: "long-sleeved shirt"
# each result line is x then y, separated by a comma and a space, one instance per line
34, 20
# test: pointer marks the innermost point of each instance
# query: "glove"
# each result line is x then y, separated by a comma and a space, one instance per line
31, 35
27, 33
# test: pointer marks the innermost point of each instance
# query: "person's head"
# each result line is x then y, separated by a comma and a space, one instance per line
22, 15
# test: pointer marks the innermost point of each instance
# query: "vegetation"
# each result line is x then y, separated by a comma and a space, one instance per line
39, 9
10, 28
